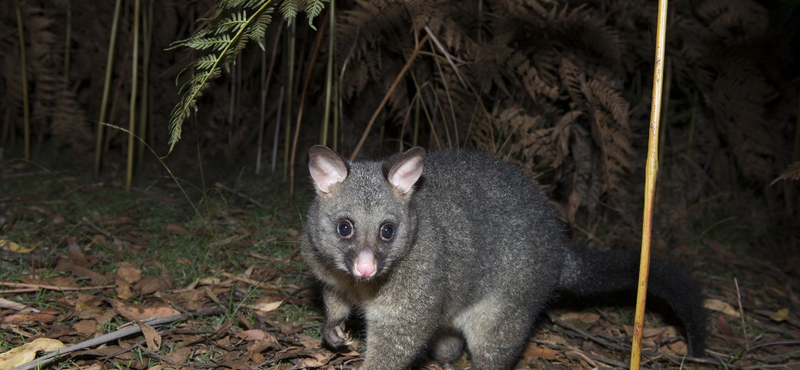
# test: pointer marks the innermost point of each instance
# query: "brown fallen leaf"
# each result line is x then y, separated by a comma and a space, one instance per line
226, 241
268, 343
24, 319
27, 352
175, 229
721, 306
10, 246
123, 290
85, 327
553, 338
136, 312
153, 284
584, 317
533, 352
179, 354
80, 271
63, 281
317, 358
128, 273
151, 336
677, 347
780, 315
76, 254
285, 327
264, 305
253, 335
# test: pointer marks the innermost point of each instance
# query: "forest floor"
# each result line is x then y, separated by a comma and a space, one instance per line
86, 265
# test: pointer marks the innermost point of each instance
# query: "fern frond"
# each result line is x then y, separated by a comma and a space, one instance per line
227, 47
790, 173
230, 23
289, 9
259, 28
314, 9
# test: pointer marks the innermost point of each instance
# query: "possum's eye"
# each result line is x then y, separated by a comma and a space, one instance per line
345, 228
387, 232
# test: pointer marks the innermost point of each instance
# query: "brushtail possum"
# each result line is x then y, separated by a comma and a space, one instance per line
454, 251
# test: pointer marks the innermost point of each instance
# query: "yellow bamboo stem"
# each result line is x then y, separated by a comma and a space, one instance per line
301, 105
134, 82
650, 185
23, 60
143, 112
289, 94
329, 75
98, 150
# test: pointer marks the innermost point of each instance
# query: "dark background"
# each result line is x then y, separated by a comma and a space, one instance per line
561, 88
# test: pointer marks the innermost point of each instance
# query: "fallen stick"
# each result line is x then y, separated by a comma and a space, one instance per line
49, 287
592, 356
5, 303
121, 333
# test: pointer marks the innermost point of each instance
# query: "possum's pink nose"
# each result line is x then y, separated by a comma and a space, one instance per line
365, 264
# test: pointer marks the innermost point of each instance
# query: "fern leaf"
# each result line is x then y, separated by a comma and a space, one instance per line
224, 48
314, 9
790, 173
259, 29
232, 22
289, 10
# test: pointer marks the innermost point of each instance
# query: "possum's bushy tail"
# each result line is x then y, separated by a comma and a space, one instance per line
590, 272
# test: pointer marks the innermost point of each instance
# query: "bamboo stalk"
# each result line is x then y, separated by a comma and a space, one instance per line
67, 43
289, 94
650, 185
267, 83
262, 110
98, 150
336, 103
329, 75
145, 99
303, 93
134, 82
277, 129
23, 60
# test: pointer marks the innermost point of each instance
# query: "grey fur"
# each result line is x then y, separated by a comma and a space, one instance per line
475, 256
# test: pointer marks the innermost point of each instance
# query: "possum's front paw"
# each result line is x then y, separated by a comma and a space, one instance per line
334, 334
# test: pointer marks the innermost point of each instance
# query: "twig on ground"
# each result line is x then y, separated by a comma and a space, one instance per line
584, 334
176, 363
239, 194
767, 313
588, 355
11, 305
50, 287
121, 333
99, 229
741, 314
23, 290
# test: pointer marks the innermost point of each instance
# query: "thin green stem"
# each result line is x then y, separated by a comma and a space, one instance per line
143, 112
134, 84
289, 93
23, 60
329, 75
98, 150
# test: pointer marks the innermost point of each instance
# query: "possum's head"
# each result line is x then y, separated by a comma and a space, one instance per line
361, 222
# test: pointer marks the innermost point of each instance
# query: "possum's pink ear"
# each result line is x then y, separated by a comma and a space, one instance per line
406, 170
326, 168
